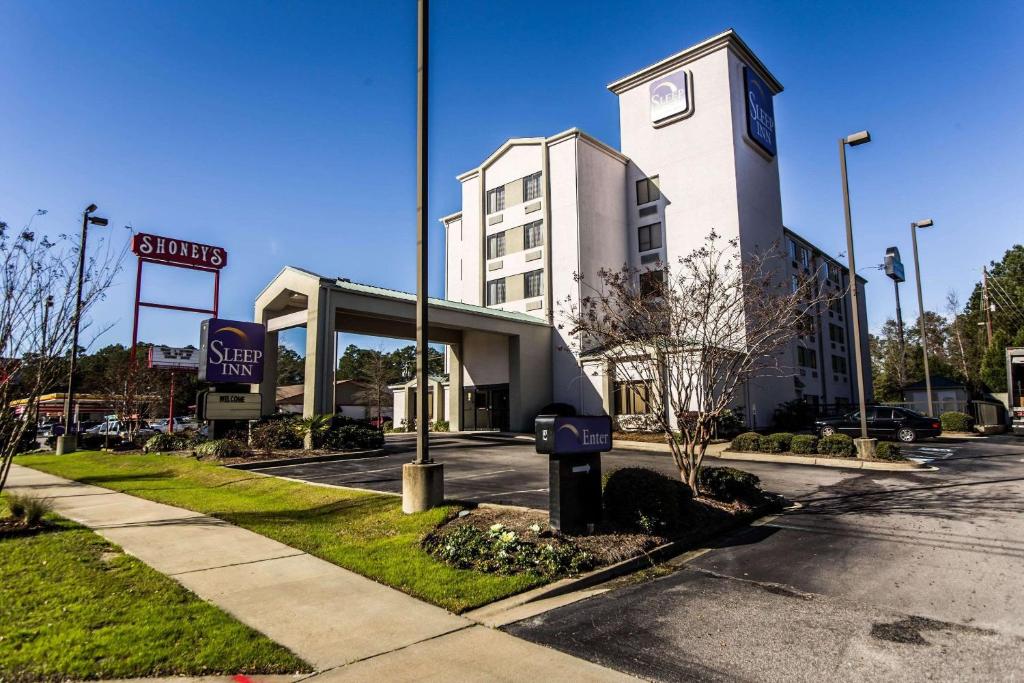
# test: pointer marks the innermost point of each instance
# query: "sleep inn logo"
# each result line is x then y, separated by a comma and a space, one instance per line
669, 96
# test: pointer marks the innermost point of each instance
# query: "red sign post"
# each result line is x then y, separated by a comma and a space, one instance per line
167, 251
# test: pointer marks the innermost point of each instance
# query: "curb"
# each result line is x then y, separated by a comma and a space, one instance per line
851, 464
280, 462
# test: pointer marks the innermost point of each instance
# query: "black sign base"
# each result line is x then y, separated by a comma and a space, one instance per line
575, 492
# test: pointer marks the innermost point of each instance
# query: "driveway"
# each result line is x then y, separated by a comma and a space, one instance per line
879, 576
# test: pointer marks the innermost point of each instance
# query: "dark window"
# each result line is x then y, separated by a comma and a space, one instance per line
531, 187
533, 283
791, 245
834, 273
807, 326
807, 358
496, 245
647, 190
649, 236
496, 292
651, 282
839, 365
836, 306
533, 236
836, 333
883, 413
496, 199
631, 399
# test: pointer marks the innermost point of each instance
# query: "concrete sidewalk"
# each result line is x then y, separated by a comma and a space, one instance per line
346, 626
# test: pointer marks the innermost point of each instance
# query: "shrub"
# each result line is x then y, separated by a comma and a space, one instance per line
347, 437
408, 425
886, 450
315, 427
221, 448
28, 509
729, 423
839, 445
956, 422
165, 442
804, 444
275, 434
728, 484
502, 551
776, 443
748, 442
646, 500
440, 426
387, 426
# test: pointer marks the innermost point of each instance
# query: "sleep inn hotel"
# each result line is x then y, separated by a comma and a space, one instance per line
699, 151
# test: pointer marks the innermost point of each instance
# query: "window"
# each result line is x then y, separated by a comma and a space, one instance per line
649, 236
807, 358
792, 249
805, 257
794, 284
533, 283
496, 199
836, 306
807, 326
883, 413
647, 190
531, 187
834, 274
496, 292
533, 236
651, 282
496, 245
631, 398
839, 365
836, 333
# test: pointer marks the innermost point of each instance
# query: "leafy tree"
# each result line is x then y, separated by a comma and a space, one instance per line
993, 362
291, 367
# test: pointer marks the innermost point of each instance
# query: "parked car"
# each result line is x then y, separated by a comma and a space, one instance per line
115, 428
884, 422
180, 423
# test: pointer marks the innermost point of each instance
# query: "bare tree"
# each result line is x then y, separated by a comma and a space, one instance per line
132, 388
957, 351
690, 337
377, 373
37, 307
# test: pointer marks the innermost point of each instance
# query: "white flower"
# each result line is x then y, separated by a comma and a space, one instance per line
508, 537
497, 527
535, 528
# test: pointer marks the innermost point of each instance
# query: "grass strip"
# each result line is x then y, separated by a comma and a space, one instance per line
73, 606
364, 532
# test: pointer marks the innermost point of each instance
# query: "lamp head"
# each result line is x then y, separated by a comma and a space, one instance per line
926, 223
857, 138
96, 220
90, 208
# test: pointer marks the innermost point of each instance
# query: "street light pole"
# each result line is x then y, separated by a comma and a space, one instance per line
923, 330
854, 140
68, 442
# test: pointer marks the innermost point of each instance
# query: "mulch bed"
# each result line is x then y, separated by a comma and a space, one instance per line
15, 528
610, 544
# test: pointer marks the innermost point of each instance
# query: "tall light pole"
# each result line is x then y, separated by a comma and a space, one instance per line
853, 140
422, 479
68, 442
926, 223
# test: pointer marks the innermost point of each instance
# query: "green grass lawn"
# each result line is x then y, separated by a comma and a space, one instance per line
74, 606
364, 532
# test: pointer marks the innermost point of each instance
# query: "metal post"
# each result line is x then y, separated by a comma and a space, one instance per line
899, 331
854, 297
70, 398
170, 408
135, 322
422, 350
987, 304
923, 329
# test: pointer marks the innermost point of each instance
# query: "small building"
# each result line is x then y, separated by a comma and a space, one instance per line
405, 400
948, 395
350, 400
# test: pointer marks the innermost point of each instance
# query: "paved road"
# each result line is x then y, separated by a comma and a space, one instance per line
878, 576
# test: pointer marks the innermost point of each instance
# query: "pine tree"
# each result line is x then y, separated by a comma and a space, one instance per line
993, 362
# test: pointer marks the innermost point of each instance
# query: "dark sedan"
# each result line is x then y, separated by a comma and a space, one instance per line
884, 422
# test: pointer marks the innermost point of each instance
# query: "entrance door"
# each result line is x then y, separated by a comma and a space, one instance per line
485, 407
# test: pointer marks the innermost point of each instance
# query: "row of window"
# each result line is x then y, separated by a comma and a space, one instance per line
630, 398
533, 286
808, 358
801, 256
531, 190
533, 236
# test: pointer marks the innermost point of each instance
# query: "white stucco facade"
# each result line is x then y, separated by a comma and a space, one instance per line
580, 202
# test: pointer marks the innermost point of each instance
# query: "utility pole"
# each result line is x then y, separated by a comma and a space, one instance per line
922, 325
422, 479
987, 303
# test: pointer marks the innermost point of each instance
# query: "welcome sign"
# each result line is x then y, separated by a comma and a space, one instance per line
231, 351
760, 111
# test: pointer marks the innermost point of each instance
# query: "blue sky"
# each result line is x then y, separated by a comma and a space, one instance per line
285, 131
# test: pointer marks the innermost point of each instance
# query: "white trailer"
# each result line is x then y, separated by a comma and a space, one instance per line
1015, 388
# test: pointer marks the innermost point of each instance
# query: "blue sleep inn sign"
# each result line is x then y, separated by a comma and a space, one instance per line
760, 111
